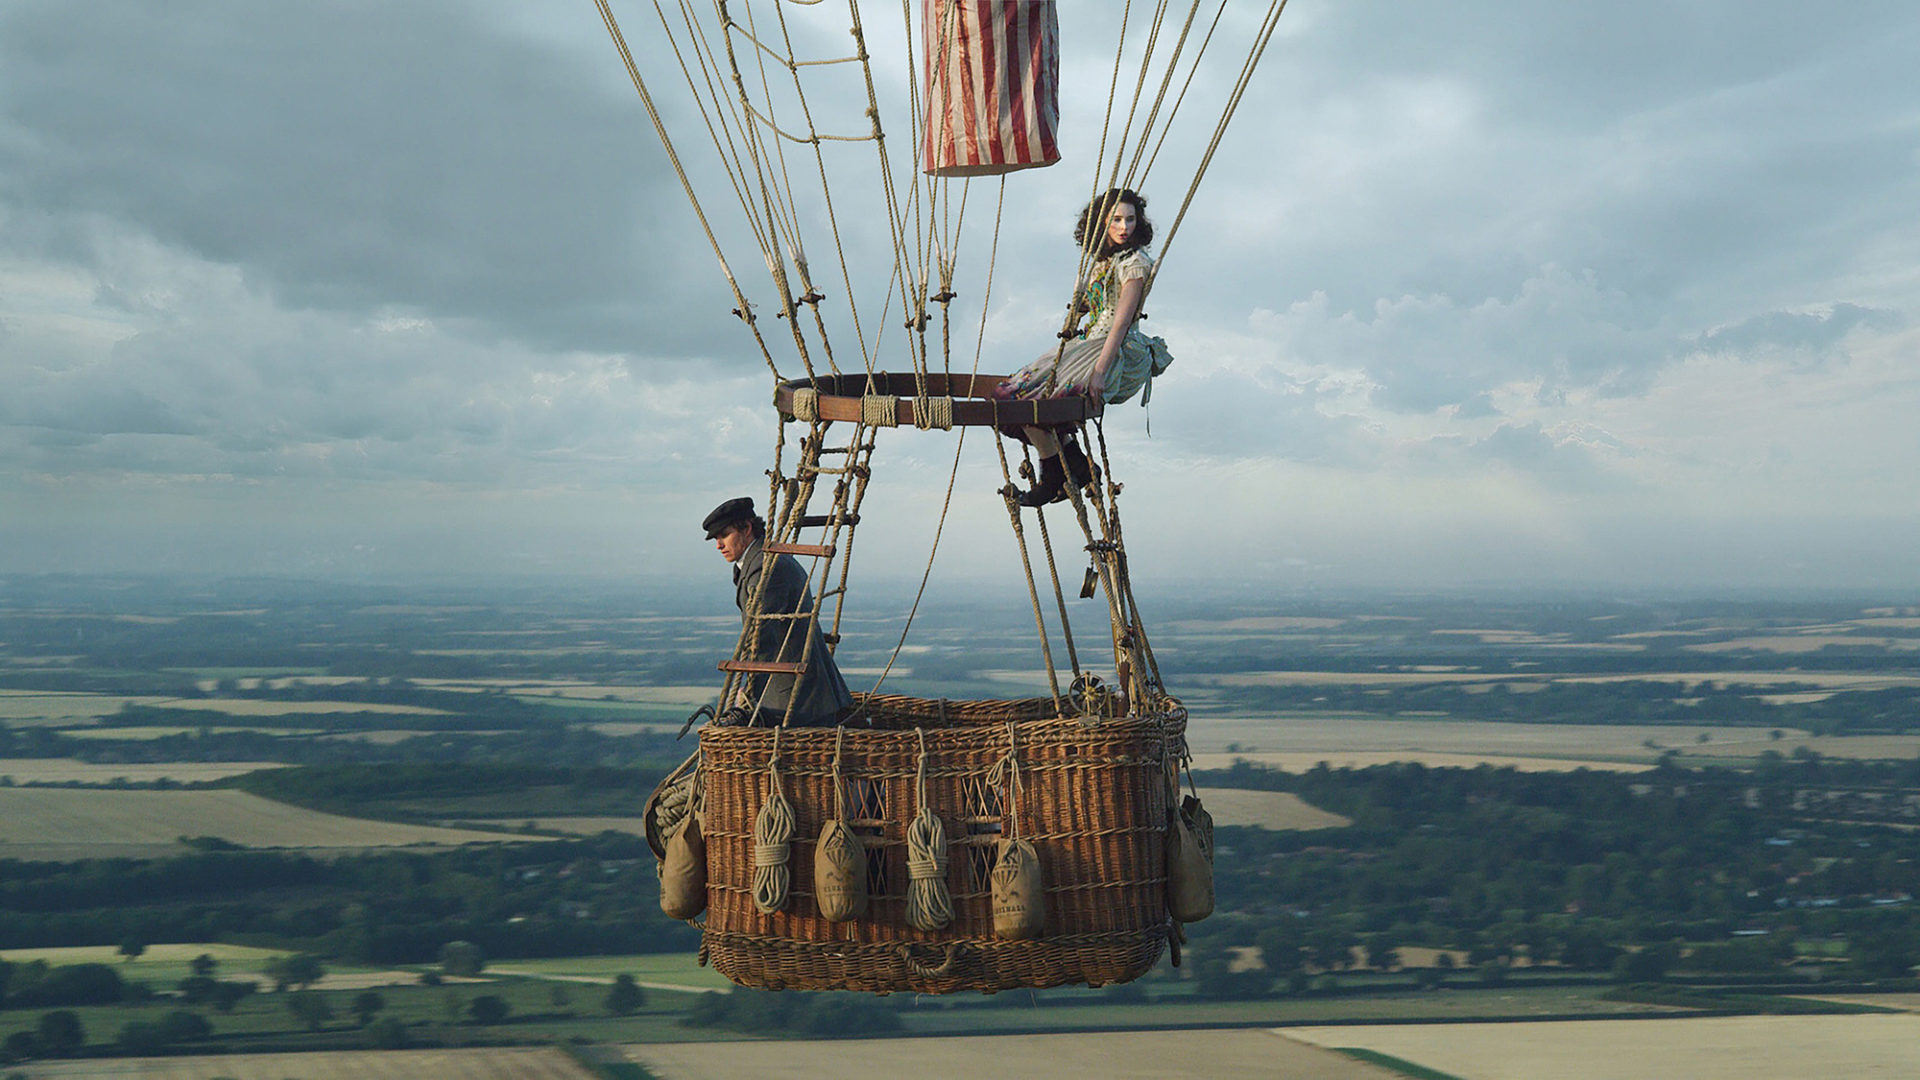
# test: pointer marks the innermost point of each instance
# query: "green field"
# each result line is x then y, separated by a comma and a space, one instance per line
651, 969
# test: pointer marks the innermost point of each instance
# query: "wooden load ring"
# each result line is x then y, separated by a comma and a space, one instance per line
856, 397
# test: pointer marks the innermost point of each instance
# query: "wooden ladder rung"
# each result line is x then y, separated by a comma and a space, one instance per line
763, 667
822, 550
815, 521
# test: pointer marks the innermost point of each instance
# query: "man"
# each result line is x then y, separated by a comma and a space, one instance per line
761, 700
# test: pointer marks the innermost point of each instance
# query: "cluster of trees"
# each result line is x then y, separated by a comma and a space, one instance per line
765, 1011
1851, 712
555, 898
1591, 871
548, 743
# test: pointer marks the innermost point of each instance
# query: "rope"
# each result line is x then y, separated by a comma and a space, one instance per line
1192, 70
646, 99
806, 404
879, 410
1006, 772
953, 474
1254, 53
772, 836
933, 412
929, 904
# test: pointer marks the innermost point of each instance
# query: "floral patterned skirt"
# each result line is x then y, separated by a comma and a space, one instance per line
1068, 370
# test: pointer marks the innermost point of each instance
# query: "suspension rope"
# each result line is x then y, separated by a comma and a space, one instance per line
686, 185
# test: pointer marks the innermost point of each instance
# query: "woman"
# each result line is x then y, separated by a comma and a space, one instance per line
1110, 359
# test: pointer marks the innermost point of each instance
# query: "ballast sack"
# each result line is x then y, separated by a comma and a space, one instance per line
1189, 862
683, 874
840, 873
1019, 895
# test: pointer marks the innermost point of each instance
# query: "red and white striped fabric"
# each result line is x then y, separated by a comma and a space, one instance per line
993, 86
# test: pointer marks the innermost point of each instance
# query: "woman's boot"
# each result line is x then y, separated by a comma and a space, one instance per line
1079, 470
1050, 488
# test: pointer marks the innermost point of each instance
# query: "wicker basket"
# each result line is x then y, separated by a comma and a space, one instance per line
1091, 797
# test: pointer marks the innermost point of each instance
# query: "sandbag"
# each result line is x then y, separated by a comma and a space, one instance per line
1189, 864
840, 873
683, 873
1019, 893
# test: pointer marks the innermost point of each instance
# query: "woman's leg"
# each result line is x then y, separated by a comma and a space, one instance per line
1043, 441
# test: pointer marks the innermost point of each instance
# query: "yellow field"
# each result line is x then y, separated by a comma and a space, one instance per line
33, 706
1838, 746
77, 818
1114, 1055
241, 955
1803, 643
492, 1063
1302, 760
1721, 680
1904, 1002
1684, 1048
1266, 809
65, 770
622, 728
1332, 734
588, 826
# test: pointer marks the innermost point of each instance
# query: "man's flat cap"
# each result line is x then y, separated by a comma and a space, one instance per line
728, 513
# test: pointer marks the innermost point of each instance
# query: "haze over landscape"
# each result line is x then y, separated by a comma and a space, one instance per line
1499, 294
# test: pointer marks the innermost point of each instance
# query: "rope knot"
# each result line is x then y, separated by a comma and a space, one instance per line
806, 404
933, 412
879, 410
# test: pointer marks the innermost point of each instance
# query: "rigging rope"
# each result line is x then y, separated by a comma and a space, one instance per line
673, 156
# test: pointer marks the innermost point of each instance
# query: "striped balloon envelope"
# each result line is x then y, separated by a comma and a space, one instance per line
993, 86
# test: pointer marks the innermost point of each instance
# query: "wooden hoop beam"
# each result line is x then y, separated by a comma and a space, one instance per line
840, 398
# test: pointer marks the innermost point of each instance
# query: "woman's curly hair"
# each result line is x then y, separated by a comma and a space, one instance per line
1094, 219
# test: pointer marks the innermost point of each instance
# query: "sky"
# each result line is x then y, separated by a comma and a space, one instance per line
1492, 294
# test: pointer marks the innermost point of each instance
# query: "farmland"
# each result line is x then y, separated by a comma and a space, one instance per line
492, 1063
73, 818
1702, 1048
1146, 1054
1529, 810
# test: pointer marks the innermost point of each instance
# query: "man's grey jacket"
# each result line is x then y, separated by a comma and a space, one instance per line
823, 693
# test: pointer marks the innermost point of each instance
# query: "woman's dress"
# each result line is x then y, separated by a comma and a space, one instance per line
1069, 369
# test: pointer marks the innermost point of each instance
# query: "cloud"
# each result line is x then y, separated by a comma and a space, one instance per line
348, 156
1805, 332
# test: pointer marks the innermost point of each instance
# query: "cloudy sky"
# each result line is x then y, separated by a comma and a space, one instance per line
1487, 294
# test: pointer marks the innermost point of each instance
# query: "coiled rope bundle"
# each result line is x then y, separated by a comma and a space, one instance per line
929, 904
772, 841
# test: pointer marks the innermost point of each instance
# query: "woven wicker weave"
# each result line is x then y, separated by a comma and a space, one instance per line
1092, 798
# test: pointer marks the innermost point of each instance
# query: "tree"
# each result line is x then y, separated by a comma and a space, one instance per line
140, 1037
299, 970
1649, 964
365, 1004
185, 1025
488, 1009
60, 1033
204, 965
462, 958
131, 949
626, 997
310, 1008
22, 1045
1382, 955
387, 1033
228, 994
